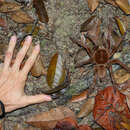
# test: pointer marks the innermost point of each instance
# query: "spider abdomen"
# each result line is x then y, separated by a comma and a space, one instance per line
101, 56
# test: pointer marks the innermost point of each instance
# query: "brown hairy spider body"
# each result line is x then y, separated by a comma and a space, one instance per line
101, 58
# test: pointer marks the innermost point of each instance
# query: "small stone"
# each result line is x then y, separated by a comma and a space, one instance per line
121, 76
117, 55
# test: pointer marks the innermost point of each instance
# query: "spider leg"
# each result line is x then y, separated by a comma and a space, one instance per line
89, 61
117, 46
83, 45
116, 61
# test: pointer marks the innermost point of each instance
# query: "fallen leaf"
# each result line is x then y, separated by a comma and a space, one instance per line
107, 102
93, 4
41, 10
67, 123
91, 27
48, 120
6, 7
56, 72
87, 107
124, 5
110, 37
121, 76
122, 24
21, 16
38, 67
80, 97
2, 22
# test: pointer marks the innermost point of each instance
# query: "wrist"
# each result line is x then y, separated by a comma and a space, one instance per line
2, 110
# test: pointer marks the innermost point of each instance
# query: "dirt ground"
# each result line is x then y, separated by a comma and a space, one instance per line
65, 18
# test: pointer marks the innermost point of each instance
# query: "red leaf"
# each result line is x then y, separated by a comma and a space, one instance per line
67, 123
107, 102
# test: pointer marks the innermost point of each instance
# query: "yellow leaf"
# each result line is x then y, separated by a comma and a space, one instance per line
56, 73
122, 24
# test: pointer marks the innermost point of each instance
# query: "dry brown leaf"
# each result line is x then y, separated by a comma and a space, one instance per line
38, 67
21, 16
122, 24
93, 4
121, 76
48, 120
6, 7
91, 27
124, 5
80, 97
87, 107
41, 10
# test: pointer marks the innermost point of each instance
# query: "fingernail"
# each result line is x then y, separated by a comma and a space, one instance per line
48, 98
28, 38
13, 38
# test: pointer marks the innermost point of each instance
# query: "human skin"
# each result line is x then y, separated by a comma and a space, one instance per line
12, 78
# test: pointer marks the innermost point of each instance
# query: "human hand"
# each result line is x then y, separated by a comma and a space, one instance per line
12, 78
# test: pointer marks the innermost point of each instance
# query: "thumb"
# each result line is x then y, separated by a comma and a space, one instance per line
36, 99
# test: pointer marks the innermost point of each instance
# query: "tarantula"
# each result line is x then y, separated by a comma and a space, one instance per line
101, 58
